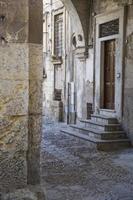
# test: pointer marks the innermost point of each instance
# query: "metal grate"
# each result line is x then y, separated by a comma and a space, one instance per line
58, 35
109, 28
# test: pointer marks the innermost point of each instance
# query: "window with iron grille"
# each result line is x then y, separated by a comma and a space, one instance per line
58, 35
109, 28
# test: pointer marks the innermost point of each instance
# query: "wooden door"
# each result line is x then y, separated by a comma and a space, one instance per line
109, 74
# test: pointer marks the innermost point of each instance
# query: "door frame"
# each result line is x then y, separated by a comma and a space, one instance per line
119, 64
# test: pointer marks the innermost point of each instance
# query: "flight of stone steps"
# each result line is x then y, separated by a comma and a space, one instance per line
104, 132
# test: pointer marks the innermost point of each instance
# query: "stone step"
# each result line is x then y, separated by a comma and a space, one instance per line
100, 126
110, 135
103, 145
104, 119
107, 112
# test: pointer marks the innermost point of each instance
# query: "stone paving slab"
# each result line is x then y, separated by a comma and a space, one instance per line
74, 170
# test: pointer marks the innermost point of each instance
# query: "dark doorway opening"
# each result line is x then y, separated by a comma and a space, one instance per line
109, 74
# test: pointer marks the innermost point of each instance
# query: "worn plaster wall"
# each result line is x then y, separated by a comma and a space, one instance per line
128, 76
82, 56
20, 88
72, 26
50, 106
76, 66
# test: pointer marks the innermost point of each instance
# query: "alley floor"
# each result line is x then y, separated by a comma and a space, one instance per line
73, 170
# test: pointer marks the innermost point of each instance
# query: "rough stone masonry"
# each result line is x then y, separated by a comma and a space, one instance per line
20, 93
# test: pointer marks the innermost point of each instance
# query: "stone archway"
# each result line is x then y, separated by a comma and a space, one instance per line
21, 74
79, 10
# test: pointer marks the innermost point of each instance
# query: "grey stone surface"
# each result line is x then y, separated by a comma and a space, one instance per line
29, 193
33, 156
74, 170
128, 88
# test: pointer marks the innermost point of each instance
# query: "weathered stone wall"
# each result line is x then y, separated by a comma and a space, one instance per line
35, 89
20, 92
14, 94
128, 76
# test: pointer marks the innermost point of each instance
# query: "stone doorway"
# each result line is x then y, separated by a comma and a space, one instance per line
109, 51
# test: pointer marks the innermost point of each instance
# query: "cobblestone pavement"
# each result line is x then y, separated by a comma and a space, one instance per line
74, 170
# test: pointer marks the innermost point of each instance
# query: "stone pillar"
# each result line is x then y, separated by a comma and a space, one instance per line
20, 92
35, 88
14, 93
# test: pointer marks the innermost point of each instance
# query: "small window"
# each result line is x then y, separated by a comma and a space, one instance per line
57, 94
58, 35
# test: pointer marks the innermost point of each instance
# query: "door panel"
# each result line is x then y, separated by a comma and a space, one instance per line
109, 74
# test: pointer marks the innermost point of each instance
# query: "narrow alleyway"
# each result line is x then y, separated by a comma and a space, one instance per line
73, 170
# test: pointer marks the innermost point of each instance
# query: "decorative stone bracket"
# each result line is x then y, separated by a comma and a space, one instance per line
81, 53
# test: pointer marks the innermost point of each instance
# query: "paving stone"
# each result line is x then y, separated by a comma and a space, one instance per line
73, 170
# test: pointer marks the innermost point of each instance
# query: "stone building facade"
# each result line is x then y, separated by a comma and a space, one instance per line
121, 11
21, 76
105, 12
83, 75
68, 76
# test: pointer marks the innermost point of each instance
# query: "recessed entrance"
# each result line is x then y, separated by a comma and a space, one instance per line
109, 63
109, 75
